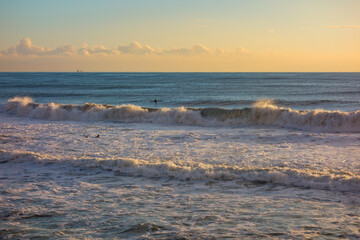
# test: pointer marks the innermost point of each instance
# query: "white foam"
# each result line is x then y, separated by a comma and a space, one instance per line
320, 179
262, 113
267, 113
97, 112
290, 157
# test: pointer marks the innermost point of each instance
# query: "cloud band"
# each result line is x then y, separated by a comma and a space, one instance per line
26, 48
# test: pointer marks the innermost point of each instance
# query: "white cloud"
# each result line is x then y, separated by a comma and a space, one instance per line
63, 50
137, 48
197, 49
100, 49
200, 49
219, 51
242, 50
26, 48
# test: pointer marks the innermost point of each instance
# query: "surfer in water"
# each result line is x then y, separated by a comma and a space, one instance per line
155, 101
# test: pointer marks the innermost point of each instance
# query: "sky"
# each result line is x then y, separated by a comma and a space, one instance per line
180, 36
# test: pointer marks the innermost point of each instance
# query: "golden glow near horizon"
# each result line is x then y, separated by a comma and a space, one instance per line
230, 35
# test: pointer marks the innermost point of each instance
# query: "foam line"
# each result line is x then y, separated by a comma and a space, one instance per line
261, 113
317, 179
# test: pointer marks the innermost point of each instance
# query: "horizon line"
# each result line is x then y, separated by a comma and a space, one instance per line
84, 72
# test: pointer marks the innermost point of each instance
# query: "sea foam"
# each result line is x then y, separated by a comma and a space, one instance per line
318, 179
262, 112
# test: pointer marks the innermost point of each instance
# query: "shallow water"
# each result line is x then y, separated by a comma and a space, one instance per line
58, 201
54, 182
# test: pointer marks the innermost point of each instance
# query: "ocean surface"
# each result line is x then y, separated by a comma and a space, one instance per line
217, 156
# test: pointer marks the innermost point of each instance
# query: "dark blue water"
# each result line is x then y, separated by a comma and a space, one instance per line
330, 91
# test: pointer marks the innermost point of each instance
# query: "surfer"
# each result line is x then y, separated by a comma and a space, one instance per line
155, 101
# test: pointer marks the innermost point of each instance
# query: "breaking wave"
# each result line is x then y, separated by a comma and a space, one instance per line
325, 179
262, 112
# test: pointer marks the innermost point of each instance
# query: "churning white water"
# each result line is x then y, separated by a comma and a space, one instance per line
126, 171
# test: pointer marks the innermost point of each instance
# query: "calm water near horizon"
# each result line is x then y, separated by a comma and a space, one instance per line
219, 156
331, 91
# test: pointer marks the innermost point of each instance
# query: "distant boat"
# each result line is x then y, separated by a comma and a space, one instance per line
79, 70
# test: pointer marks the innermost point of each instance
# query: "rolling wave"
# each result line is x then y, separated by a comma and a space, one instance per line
325, 179
262, 112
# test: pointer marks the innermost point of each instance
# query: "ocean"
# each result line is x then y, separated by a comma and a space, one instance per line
216, 156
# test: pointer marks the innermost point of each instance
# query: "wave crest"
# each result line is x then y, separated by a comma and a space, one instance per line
262, 112
286, 175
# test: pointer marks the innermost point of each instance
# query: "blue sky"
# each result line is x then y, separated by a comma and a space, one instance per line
280, 26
